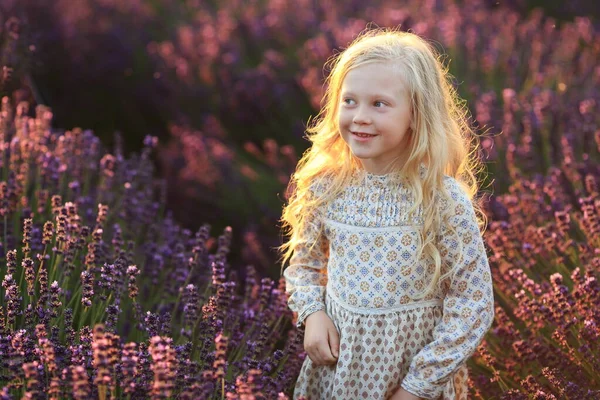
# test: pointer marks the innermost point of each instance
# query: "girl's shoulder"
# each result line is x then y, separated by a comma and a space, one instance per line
451, 185
455, 192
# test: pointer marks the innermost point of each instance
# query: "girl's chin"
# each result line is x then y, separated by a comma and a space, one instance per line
363, 155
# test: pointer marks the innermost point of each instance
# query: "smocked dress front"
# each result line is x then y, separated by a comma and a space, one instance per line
364, 273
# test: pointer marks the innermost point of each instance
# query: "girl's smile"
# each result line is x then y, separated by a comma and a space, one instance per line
363, 137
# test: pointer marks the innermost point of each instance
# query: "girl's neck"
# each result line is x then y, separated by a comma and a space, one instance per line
391, 168
387, 173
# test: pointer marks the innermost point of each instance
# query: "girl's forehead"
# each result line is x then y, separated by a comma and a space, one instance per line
374, 76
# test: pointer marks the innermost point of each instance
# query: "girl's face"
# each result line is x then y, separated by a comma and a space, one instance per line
375, 101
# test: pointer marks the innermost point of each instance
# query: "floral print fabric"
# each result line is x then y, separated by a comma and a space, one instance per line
364, 272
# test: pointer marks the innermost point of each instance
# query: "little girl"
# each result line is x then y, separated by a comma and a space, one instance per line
389, 274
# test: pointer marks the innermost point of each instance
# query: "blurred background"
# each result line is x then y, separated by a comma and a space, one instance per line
227, 86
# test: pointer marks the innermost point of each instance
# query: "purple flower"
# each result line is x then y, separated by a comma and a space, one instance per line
87, 283
164, 366
129, 361
132, 273
80, 382
12, 298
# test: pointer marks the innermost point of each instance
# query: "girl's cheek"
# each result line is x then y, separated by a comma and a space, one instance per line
345, 115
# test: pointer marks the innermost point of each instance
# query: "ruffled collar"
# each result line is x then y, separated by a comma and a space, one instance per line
368, 178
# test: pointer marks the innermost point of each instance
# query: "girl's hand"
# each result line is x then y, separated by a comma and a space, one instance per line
321, 339
402, 394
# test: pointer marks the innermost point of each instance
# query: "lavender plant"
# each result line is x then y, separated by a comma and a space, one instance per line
544, 240
105, 296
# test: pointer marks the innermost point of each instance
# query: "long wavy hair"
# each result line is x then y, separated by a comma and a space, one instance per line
442, 140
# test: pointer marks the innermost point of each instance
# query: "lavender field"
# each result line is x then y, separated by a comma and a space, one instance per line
137, 254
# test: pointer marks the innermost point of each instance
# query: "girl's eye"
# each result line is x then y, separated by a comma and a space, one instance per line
377, 103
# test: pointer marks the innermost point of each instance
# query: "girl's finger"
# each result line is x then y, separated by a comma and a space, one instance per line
334, 342
326, 354
315, 357
323, 356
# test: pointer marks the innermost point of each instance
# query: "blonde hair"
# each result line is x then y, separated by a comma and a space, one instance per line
441, 139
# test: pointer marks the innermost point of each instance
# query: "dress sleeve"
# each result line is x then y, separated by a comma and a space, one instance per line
306, 276
468, 310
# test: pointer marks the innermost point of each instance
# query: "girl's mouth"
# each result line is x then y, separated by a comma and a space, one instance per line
363, 136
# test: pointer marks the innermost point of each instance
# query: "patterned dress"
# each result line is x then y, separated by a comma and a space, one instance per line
364, 273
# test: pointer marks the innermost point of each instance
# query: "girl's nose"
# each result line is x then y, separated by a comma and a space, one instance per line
361, 118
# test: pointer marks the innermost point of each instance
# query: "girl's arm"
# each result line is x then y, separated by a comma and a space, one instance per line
468, 306
306, 276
